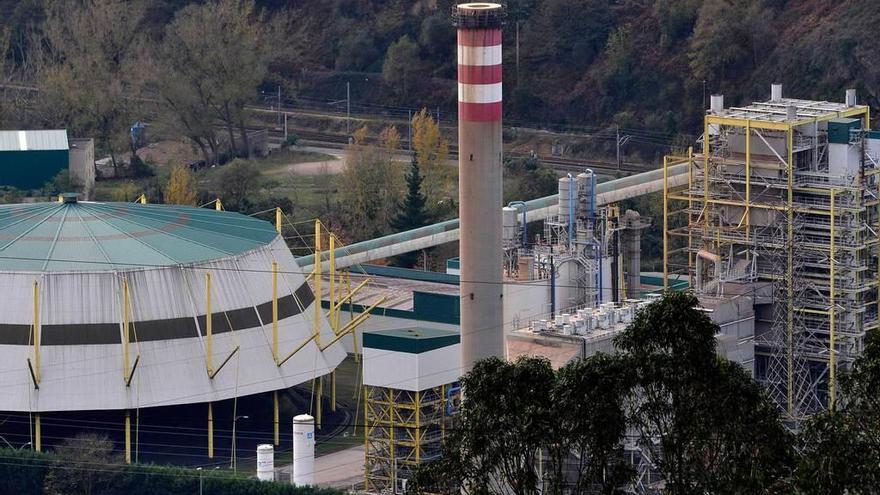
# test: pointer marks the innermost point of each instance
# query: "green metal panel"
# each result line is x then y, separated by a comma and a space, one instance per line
51, 237
31, 169
411, 340
438, 307
838, 130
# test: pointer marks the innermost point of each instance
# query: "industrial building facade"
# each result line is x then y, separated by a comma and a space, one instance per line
781, 206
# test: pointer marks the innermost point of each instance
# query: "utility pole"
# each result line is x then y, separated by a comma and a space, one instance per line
279, 105
409, 126
617, 140
348, 108
517, 52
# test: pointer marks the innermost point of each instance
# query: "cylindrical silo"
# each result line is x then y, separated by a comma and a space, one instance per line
508, 221
265, 462
564, 199
303, 450
479, 179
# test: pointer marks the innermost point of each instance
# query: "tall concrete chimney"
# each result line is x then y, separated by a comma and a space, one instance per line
479, 180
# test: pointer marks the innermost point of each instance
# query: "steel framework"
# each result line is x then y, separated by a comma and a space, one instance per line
403, 429
762, 209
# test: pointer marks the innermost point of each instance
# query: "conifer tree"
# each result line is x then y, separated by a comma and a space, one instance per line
411, 213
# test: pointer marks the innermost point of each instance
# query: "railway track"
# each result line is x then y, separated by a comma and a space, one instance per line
335, 140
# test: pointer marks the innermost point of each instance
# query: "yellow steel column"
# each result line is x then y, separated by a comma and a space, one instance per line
366, 437
36, 333
275, 311
789, 274
747, 214
690, 210
319, 406
210, 430
127, 436
125, 329
665, 222
705, 177
418, 427
832, 359
278, 219
333, 323
333, 391
275, 417
38, 433
317, 279
218, 205
209, 327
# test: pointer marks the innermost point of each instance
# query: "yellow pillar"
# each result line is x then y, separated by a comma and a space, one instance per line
318, 403
36, 333
789, 274
275, 417
333, 323
278, 219
218, 205
333, 390
210, 430
209, 327
38, 434
127, 436
316, 324
665, 222
832, 313
275, 311
125, 329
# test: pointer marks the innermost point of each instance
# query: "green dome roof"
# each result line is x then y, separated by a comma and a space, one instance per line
84, 236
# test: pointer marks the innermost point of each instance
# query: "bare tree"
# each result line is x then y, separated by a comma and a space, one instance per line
91, 68
217, 54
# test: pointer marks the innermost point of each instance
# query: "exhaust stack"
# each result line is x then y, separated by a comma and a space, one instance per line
479, 179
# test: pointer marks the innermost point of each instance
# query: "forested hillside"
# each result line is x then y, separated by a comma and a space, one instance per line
637, 63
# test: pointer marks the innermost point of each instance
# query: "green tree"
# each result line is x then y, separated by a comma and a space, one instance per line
86, 466
840, 447
401, 62
705, 423
236, 181
356, 51
370, 184
411, 213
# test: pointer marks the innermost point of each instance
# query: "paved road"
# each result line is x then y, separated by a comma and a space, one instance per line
337, 470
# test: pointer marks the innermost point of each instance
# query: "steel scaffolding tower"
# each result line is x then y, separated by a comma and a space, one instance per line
403, 429
783, 198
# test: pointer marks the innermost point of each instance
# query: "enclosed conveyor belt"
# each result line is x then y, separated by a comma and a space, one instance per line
607, 192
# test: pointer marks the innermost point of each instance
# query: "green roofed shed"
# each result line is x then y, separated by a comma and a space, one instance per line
410, 340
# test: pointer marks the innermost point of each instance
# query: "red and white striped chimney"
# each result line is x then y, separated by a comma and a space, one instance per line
479, 180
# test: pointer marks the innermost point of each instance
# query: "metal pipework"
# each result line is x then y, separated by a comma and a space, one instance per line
479, 179
521, 205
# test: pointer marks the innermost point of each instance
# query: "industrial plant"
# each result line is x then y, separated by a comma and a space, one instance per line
771, 216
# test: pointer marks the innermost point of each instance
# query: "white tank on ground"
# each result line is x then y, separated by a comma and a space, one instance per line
303, 450
265, 462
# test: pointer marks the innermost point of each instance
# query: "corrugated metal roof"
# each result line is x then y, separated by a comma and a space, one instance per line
41, 140
62, 237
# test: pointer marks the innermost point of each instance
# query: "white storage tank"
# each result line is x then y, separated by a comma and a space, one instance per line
265, 462
508, 231
567, 329
303, 450
565, 196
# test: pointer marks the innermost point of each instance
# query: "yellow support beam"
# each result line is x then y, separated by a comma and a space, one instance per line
143, 199
127, 436
333, 391
38, 433
332, 272
218, 205
36, 334
278, 219
210, 430
665, 223
209, 328
832, 351
275, 311
126, 329
275, 418
317, 280
789, 275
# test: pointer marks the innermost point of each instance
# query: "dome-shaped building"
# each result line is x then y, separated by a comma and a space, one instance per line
79, 279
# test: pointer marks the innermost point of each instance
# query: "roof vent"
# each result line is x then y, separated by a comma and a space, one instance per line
68, 198
776, 92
